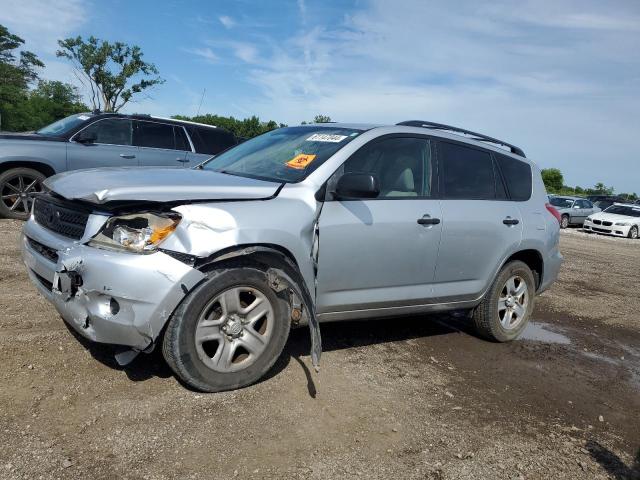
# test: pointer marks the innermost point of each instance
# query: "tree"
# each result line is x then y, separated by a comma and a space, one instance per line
246, 128
17, 71
112, 72
553, 179
317, 119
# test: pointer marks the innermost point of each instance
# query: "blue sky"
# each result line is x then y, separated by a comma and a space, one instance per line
559, 78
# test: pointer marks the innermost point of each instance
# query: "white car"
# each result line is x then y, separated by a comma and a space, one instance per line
620, 219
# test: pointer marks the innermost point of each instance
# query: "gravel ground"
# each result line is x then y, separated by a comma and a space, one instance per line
416, 397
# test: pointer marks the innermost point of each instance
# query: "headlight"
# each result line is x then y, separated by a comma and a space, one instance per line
623, 224
588, 219
138, 232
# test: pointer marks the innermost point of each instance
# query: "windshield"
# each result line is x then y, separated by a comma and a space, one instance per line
561, 202
284, 155
624, 210
66, 124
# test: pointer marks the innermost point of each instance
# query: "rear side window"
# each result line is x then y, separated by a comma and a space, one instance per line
211, 140
155, 135
517, 174
467, 172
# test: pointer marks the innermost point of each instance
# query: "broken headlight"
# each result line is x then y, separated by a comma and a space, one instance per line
137, 232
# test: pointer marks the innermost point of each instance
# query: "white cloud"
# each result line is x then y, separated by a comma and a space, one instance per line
227, 21
41, 23
245, 51
205, 54
557, 78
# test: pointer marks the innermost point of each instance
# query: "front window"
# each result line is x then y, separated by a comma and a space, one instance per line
284, 155
561, 202
624, 210
65, 125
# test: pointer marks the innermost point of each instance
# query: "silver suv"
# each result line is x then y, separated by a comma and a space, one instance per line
297, 226
89, 140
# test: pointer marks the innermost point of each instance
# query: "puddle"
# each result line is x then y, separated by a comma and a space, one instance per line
537, 332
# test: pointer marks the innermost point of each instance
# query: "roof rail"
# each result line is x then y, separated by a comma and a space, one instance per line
473, 135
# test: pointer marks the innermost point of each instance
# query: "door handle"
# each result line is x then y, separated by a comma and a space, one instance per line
511, 221
127, 155
426, 220
182, 160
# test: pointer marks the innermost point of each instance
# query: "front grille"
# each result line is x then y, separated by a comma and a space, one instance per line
597, 222
602, 230
64, 220
46, 252
607, 224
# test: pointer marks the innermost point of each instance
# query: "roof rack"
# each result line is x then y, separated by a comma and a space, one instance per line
473, 135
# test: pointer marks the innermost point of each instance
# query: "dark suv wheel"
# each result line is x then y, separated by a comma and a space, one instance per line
228, 332
16, 187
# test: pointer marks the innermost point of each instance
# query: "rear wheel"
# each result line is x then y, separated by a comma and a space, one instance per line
228, 332
16, 188
507, 306
633, 232
564, 221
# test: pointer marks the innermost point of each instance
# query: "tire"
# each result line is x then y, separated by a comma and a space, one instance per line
15, 185
208, 313
633, 232
490, 318
564, 222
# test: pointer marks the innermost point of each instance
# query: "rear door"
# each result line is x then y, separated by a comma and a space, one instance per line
481, 225
113, 146
161, 144
373, 253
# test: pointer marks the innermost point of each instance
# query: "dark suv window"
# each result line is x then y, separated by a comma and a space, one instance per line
155, 135
402, 165
111, 131
467, 172
210, 140
517, 174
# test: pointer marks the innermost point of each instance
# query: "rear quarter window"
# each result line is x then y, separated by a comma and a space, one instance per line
211, 140
517, 175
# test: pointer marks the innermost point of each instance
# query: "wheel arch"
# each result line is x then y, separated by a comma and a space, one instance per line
44, 168
533, 259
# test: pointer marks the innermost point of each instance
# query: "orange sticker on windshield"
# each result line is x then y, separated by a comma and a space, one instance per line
301, 161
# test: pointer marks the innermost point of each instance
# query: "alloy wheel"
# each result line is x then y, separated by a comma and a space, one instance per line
513, 302
234, 329
16, 193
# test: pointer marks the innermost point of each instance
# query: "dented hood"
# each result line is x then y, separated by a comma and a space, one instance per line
102, 185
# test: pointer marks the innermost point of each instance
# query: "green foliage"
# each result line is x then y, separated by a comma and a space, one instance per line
318, 119
112, 72
553, 179
247, 128
18, 69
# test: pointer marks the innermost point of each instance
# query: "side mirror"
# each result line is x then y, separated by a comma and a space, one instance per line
357, 185
85, 137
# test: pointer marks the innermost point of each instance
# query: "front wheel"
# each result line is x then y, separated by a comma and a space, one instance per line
228, 332
507, 306
633, 232
17, 186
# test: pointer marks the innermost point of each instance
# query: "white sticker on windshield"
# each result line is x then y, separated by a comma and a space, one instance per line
83, 117
326, 137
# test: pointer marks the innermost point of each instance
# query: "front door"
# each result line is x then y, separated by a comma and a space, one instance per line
113, 146
373, 253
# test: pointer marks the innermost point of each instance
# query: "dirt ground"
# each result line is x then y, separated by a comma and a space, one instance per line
417, 397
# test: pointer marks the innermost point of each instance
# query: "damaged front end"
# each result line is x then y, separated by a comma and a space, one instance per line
107, 296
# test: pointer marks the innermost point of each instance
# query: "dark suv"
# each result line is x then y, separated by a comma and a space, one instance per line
89, 140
